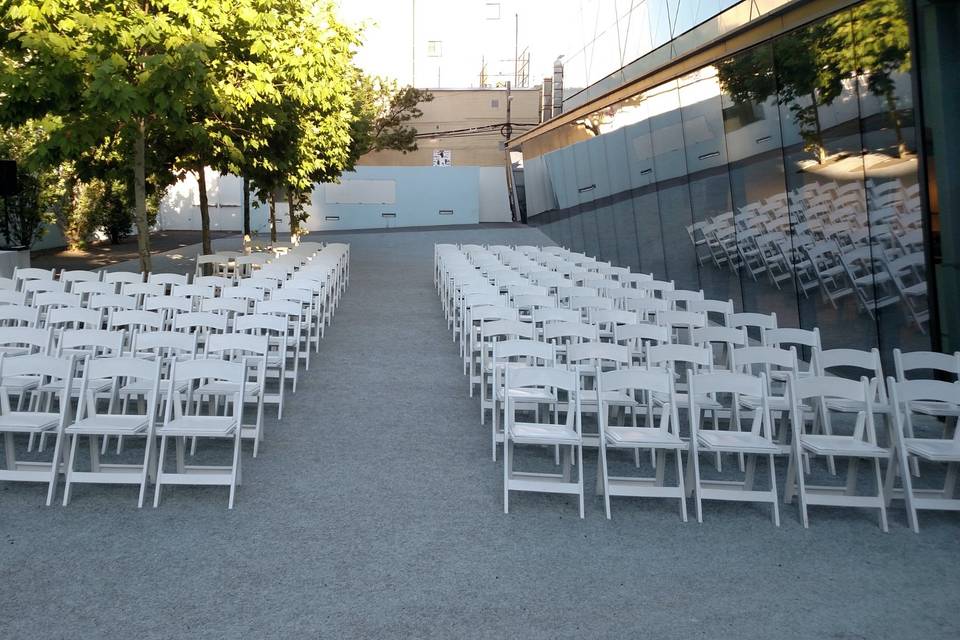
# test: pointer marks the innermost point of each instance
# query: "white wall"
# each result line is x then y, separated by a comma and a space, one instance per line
494, 201
416, 195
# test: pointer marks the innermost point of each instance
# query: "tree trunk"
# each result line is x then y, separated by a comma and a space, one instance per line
204, 210
292, 213
821, 151
246, 206
897, 125
273, 217
140, 195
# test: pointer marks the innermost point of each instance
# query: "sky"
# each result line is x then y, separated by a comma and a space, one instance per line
470, 32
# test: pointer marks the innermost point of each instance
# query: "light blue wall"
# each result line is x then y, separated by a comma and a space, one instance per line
421, 192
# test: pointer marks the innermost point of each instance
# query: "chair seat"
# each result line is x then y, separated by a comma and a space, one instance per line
642, 436
19, 384
96, 385
110, 424
776, 403
825, 445
934, 408
28, 421
854, 406
530, 395
211, 426
933, 449
143, 387
683, 400
738, 441
618, 398
227, 388
533, 433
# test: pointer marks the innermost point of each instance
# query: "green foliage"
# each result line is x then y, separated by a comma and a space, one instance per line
381, 113
809, 66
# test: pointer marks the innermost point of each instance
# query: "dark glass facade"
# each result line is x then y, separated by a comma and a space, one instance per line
784, 177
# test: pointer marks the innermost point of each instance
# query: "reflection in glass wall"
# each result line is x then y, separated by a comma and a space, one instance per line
783, 178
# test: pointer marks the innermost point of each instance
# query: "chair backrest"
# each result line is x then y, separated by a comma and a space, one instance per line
198, 371
735, 386
135, 319
506, 329
561, 333
111, 302
169, 278
906, 391
50, 368
122, 277
245, 293
529, 351
552, 378
165, 344
173, 304
119, 371
38, 340
722, 340
259, 324
762, 359
23, 274
55, 299
12, 296
547, 315
80, 275
718, 311
595, 355
930, 362
818, 389
143, 289
689, 356
18, 316
227, 306
233, 345
71, 318
100, 343
852, 363
218, 282
639, 383
203, 321
91, 287
192, 291
758, 322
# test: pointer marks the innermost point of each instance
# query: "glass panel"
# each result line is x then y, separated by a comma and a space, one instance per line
882, 49
769, 262
709, 184
819, 116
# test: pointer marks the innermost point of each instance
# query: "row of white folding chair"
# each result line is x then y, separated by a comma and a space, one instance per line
106, 376
749, 434
811, 339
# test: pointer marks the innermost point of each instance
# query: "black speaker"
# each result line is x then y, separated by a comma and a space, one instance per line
8, 178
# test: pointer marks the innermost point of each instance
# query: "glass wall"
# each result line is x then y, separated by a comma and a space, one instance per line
783, 178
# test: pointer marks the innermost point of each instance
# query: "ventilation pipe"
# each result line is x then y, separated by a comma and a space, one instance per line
557, 86
546, 100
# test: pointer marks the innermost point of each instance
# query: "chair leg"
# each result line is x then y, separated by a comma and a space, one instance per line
159, 481
602, 486
883, 504
55, 466
580, 476
69, 471
775, 503
680, 485
507, 457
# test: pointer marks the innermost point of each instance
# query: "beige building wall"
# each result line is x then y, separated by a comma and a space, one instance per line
453, 109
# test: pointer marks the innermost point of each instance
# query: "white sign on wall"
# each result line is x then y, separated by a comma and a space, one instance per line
442, 157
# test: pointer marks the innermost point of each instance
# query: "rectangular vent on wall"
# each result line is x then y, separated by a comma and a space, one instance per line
331, 217
388, 214
446, 212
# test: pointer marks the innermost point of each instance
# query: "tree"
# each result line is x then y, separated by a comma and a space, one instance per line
381, 113
798, 74
103, 70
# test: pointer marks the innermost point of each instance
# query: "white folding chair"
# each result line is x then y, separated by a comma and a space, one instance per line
49, 369
251, 350
183, 420
906, 396
114, 421
566, 434
752, 442
822, 392
661, 435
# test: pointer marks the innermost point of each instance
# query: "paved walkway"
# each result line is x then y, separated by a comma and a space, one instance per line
374, 511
